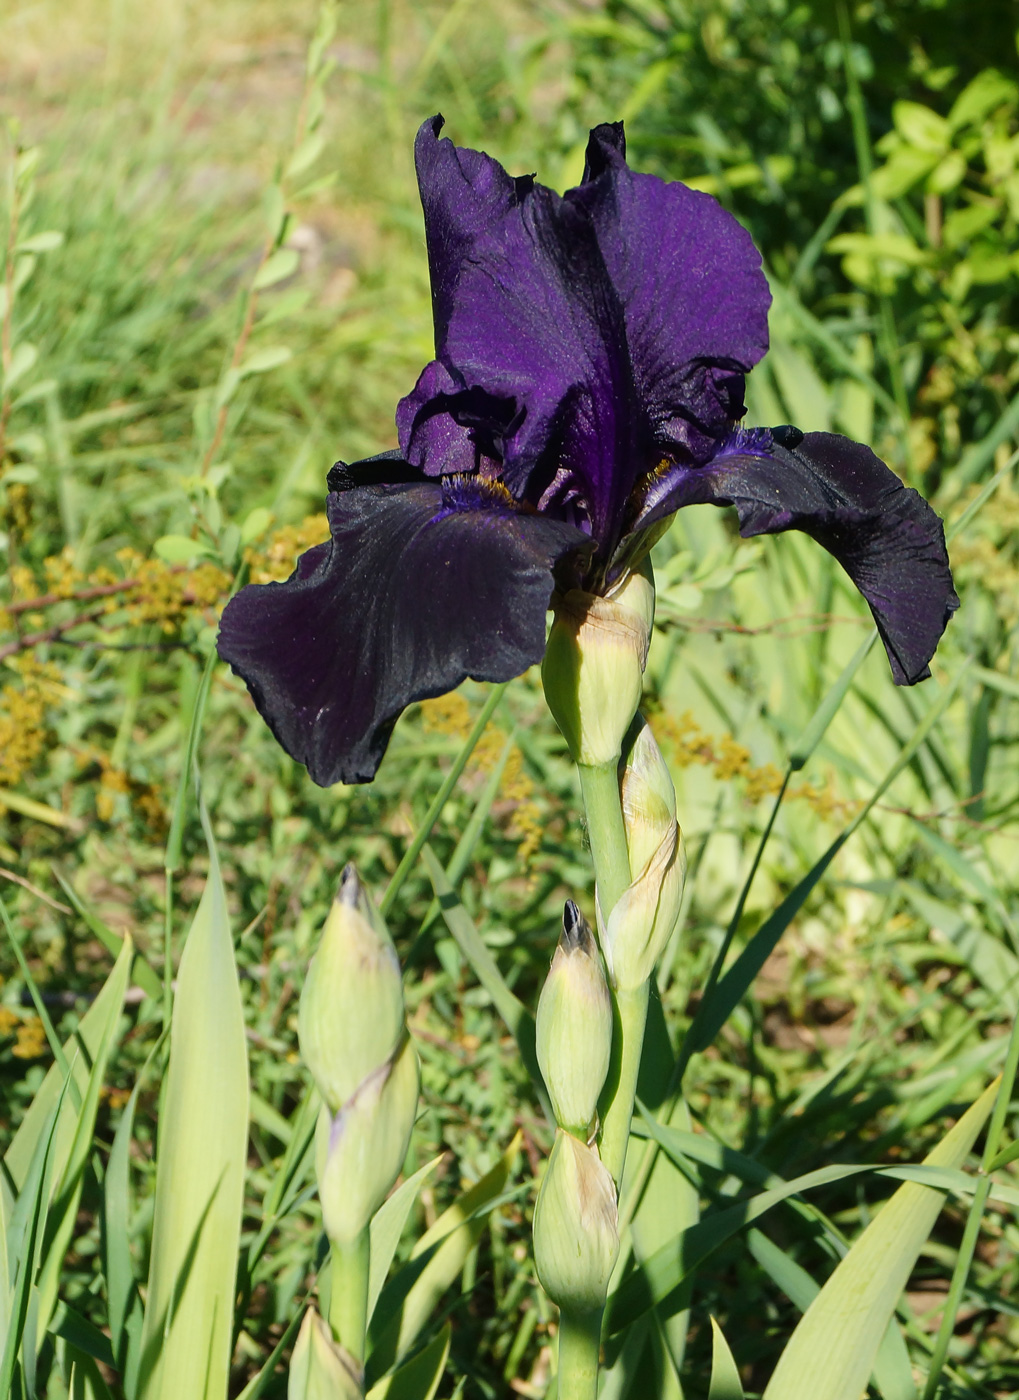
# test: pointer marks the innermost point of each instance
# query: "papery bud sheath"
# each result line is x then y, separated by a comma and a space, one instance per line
320, 1369
593, 671
576, 1228
360, 1151
574, 1026
351, 1016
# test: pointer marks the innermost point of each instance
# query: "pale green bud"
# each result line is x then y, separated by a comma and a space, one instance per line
641, 922
320, 1369
576, 1227
361, 1150
574, 1026
593, 671
351, 1016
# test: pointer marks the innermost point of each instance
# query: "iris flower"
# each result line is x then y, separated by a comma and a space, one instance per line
588, 381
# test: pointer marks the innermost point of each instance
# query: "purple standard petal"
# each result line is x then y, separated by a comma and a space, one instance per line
462, 193
420, 586
884, 534
536, 322
444, 427
690, 281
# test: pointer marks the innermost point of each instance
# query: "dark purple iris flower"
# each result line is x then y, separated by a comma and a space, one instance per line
590, 353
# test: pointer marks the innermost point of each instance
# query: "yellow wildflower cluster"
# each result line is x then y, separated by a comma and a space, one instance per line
162, 593
23, 710
145, 798
62, 578
29, 1034
450, 714
17, 508
30, 1041
686, 743
275, 559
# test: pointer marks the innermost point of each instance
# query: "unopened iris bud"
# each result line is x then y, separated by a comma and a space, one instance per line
320, 1369
641, 922
360, 1151
351, 1016
574, 1026
576, 1227
593, 671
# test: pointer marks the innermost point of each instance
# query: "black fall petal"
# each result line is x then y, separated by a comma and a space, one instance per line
884, 534
420, 587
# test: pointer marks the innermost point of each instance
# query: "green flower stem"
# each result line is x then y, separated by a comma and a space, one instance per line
579, 1344
607, 834
630, 1016
600, 787
348, 1300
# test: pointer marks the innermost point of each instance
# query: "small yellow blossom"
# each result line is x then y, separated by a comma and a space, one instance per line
275, 560
30, 1041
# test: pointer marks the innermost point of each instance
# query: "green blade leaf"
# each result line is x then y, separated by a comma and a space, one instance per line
834, 1347
419, 1379
64, 1208
387, 1226
725, 1381
408, 1300
202, 1148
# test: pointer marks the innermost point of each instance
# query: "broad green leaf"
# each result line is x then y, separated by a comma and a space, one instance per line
267, 358
255, 523
64, 1208
986, 91
5, 1278
281, 265
419, 1378
833, 1349
306, 155
25, 1227
180, 549
41, 242
80, 1050
23, 358
407, 1302
387, 1227
920, 126
725, 1381
202, 1148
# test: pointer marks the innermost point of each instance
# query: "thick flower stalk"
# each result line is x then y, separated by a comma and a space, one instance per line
354, 1041
576, 1237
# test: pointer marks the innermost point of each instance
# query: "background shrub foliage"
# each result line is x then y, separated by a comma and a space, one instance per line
214, 284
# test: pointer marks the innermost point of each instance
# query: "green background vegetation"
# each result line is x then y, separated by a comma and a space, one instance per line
162, 431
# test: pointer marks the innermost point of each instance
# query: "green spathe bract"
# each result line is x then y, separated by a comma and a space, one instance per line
361, 1150
351, 1016
641, 921
574, 1026
576, 1233
202, 1146
593, 670
319, 1368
